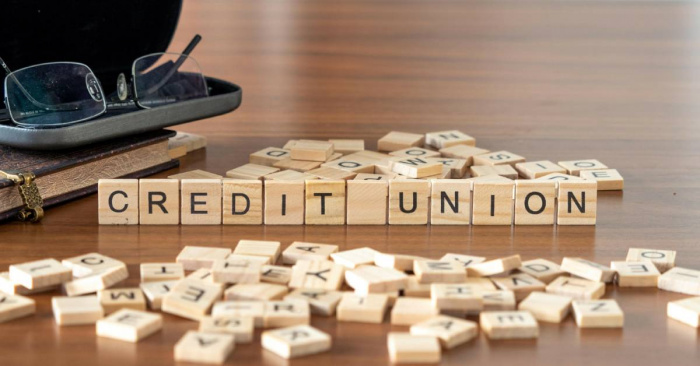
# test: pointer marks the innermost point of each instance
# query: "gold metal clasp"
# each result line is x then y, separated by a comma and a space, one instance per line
32, 210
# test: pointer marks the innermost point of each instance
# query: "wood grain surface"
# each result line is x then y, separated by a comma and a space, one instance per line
615, 81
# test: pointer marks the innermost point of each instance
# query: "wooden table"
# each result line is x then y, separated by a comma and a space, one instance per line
616, 81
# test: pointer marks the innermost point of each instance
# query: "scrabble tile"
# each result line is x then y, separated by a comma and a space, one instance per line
129, 325
400, 262
541, 269
193, 258
450, 201
347, 146
200, 347
577, 203
253, 309
458, 167
494, 267
121, 298
586, 269
255, 291
41, 273
151, 272
191, 141
433, 271
308, 251
325, 202
444, 174
484, 283
489, 179
463, 152
492, 203
269, 156
268, 249
598, 314
686, 311
286, 175
456, 297
91, 263
414, 167
205, 275
607, 179
354, 257
450, 331
369, 308
498, 158
394, 141
508, 324
346, 165
464, 260
240, 327
576, 288
118, 201
285, 313
416, 289
409, 202
325, 275
330, 173
95, 282
159, 202
76, 310
297, 165
370, 177
415, 152
442, 139
636, 274
372, 279
371, 156
296, 341
682, 280
535, 202
537, 169
498, 300
546, 307
557, 177
408, 348
15, 306
156, 291
662, 259
367, 202
201, 201
275, 274
195, 174
236, 271
10, 288
409, 311
321, 302
191, 299
574, 167
242, 202
521, 284
505, 171
312, 150
284, 202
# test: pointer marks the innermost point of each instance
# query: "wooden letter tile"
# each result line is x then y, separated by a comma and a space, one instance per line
324, 275
414, 167
236, 270
521, 284
400, 262
683, 280
463, 152
508, 324
608, 179
598, 314
450, 201
286, 175
574, 167
505, 171
268, 156
253, 309
296, 341
636, 274
577, 202
121, 298
242, 202
347, 146
587, 269
91, 263
284, 202
367, 202
161, 271
191, 299
200, 347
537, 169
535, 202
286, 313
409, 202
308, 251
193, 258
118, 201
156, 291
442, 139
195, 174
498, 158
129, 325
346, 164
10, 288
201, 201
159, 202
547, 307
432, 271
662, 259
494, 267
577, 288
241, 327
458, 167
76, 310
95, 282
41, 273
365, 309
255, 292
542, 269
415, 152
372, 279
685, 311
321, 302
399, 140
464, 260
493, 203
268, 249
275, 274
331, 173
325, 202
559, 177
354, 257
498, 300
15, 306
298, 165
312, 150
458, 298
409, 311
450, 331
408, 348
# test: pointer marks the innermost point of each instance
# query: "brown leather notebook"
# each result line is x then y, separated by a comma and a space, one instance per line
68, 174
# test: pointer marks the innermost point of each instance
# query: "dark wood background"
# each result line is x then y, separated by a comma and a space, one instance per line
616, 81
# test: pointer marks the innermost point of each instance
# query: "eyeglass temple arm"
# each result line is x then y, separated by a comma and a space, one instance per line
38, 104
183, 57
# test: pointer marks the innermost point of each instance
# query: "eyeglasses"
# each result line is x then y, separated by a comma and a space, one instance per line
62, 93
